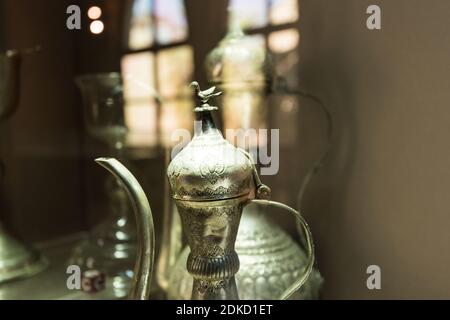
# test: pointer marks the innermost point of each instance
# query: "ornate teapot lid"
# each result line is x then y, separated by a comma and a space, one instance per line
209, 167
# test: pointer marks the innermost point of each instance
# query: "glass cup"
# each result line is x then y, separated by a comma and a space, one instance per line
111, 245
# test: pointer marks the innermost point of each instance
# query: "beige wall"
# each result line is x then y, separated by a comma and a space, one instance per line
383, 196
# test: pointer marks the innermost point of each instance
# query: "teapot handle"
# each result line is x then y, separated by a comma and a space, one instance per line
309, 245
261, 197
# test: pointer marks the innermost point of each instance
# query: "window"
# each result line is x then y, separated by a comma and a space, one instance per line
274, 23
158, 61
259, 13
277, 21
157, 66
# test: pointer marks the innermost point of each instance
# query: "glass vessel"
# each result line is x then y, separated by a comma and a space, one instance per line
111, 245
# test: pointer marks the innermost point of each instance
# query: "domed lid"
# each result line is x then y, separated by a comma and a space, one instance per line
238, 59
209, 167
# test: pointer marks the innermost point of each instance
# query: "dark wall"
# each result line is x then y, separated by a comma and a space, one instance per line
53, 187
41, 144
2, 27
383, 195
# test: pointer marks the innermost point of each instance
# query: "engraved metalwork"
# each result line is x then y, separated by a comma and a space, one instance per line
210, 204
242, 68
270, 261
211, 219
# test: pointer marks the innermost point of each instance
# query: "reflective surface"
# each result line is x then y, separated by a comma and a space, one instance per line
211, 182
245, 107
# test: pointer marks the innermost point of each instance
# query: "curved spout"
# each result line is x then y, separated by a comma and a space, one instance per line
143, 270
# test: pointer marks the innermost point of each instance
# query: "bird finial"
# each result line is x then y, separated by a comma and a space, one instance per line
204, 97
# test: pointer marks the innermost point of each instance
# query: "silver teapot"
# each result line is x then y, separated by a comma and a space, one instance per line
211, 181
270, 260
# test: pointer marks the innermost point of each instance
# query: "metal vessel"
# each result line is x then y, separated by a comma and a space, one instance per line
242, 68
270, 261
211, 181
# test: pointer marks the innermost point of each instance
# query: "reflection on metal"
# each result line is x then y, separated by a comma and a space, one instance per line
242, 69
211, 182
16, 259
245, 107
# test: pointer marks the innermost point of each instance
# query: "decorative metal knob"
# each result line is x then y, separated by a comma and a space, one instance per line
204, 96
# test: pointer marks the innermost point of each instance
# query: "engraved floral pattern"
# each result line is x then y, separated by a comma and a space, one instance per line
212, 171
270, 262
